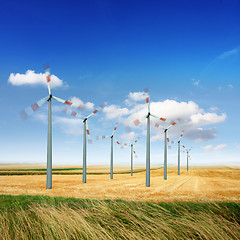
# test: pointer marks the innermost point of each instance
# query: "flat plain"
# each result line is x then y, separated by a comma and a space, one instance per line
199, 184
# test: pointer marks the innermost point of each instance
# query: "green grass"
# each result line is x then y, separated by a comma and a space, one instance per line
43, 217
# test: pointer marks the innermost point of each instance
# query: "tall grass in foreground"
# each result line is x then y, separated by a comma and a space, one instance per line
86, 219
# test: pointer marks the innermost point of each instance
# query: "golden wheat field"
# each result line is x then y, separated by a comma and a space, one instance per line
199, 184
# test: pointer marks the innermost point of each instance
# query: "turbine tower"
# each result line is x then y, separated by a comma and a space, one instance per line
165, 148
188, 150
132, 152
137, 122
179, 149
34, 107
111, 154
85, 133
166, 140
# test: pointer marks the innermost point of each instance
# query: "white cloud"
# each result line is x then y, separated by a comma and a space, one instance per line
230, 53
193, 118
196, 82
202, 135
214, 109
230, 86
220, 147
77, 102
210, 148
71, 126
200, 119
128, 137
238, 146
115, 111
32, 78
134, 97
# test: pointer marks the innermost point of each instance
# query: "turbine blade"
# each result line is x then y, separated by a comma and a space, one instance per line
163, 119
135, 141
116, 141
172, 124
114, 130
87, 129
48, 78
62, 101
148, 103
136, 122
72, 113
95, 111
88, 134
154, 116
101, 106
33, 108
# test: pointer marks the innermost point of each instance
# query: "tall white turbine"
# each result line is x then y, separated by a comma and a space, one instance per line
132, 152
85, 133
179, 150
188, 150
166, 140
137, 122
34, 107
165, 148
111, 154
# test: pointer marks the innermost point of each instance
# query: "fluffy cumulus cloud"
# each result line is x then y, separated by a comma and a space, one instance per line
195, 121
71, 126
134, 97
77, 102
32, 78
115, 111
202, 135
128, 137
210, 148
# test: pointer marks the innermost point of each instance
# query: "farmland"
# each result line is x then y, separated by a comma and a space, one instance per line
200, 204
197, 185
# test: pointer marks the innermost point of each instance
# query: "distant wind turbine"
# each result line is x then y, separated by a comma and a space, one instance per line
132, 152
179, 149
85, 133
111, 155
166, 140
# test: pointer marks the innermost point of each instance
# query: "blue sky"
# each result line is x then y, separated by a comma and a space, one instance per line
186, 52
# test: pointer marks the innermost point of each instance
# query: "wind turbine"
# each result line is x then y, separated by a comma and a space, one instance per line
132, 151
85, 133
111, 155
137, 122
34, 107
165, 148
188, 150
166, 140
179, 147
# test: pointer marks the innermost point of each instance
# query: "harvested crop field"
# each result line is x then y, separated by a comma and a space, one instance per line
199, 184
